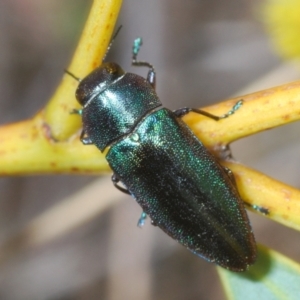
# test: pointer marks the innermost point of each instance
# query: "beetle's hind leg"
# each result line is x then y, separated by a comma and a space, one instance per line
151, 77
230, 175
263, 210
185, 110
115, 180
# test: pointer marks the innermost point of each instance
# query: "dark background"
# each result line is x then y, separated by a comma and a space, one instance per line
203, 52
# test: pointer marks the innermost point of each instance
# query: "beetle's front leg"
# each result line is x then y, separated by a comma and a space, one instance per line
185, 110
151, 77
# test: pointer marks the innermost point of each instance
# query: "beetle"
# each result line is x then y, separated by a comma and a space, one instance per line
159, 161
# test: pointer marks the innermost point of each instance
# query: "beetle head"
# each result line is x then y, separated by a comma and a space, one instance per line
98, 81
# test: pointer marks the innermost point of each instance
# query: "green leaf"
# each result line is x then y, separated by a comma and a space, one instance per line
272, 277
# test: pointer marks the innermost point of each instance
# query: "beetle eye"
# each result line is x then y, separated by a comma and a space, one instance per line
82, 95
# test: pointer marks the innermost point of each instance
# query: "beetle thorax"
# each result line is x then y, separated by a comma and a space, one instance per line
115, 110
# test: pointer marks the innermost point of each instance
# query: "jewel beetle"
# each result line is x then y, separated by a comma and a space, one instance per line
158, 160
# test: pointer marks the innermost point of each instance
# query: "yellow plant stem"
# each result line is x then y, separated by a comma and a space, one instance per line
88, 55
280, 202
46, 143
260, 111
27, 148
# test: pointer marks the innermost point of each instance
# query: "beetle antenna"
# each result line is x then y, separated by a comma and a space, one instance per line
111, 42
72, 75
107, 50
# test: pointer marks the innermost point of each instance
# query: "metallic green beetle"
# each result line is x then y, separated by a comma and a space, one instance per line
163, 165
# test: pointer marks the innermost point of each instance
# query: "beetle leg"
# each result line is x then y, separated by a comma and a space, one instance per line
230, 175
141, 221
185, 110
84, 139
153, 223
115, 180
261, 209
151, 77
76, 111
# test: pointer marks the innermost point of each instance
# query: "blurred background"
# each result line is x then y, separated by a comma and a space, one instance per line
203, 52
